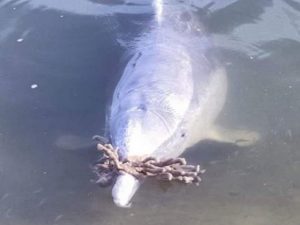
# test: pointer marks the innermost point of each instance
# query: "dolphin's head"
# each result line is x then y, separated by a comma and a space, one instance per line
140, 123
136, 134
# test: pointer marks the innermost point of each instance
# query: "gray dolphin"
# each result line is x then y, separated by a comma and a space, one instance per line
170, 93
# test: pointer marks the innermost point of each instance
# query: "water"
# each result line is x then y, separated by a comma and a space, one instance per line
59, 63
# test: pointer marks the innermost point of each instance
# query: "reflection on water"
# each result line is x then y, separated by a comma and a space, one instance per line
85, 7
59, 62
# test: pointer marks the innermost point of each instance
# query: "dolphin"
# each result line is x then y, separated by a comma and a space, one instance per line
169, 95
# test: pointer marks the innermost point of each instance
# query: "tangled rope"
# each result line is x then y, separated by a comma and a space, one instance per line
171, 169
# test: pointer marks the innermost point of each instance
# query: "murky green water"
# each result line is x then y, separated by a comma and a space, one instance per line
59, 63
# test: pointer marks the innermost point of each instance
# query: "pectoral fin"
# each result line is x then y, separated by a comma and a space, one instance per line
242, 138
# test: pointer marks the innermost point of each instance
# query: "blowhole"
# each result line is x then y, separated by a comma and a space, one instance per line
142, 107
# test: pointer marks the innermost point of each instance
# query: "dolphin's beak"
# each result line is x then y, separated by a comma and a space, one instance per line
123, 190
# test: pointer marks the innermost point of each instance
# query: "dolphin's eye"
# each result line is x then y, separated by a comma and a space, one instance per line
182, 135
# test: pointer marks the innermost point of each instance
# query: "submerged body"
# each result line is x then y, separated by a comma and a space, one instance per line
170, 93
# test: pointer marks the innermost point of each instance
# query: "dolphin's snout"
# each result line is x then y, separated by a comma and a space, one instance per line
123, 190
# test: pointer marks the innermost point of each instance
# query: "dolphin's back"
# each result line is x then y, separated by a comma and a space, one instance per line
151, 99
164, 81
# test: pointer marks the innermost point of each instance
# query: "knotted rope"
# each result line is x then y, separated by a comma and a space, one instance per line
172, 169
